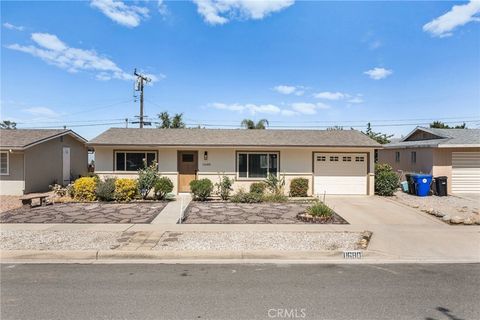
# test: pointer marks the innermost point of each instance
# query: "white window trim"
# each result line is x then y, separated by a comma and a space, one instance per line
125, 157
268, 164
8, 164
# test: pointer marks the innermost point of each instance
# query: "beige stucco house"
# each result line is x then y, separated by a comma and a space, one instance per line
33, 159
334, 162
454, 153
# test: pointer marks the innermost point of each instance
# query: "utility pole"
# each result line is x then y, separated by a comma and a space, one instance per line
141, 79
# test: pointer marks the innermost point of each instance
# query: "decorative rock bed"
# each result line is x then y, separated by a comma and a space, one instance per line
334, 219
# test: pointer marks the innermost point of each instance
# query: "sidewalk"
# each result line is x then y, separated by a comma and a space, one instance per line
389, 244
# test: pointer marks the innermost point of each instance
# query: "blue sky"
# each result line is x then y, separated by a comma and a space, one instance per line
297, 64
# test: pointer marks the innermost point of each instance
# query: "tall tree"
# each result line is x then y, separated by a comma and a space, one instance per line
9, 125
441, 125
175, 122
381, 138
250, 124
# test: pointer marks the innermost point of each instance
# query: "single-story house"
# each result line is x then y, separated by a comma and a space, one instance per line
33, 159
334, 161
454, 153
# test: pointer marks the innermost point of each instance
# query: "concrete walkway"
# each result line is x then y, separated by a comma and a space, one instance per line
374, 210
173, 212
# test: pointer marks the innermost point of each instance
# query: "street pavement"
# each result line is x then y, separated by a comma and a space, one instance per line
230, 291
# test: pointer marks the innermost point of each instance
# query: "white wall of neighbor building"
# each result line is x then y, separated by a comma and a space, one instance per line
294, 162
13, 183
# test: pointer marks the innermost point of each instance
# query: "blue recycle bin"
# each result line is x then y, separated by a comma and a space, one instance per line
422, 184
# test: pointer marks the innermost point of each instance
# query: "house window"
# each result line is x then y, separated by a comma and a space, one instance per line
257, 165
333, 158
413, 157
397, 156
133, 160
4, 163
347, 159
359, 159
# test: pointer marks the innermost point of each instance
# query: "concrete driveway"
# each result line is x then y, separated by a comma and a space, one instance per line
377, 210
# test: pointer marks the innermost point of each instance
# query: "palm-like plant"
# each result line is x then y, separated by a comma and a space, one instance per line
250, 124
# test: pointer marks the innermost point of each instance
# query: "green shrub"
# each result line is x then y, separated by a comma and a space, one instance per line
106, 189
386, 180
224, 187
258, 187
246, 197
147, 177
275, 197
201, 189
320, 209
299, 187
163, 187
125, 189
58, 190
274, 184
84, 189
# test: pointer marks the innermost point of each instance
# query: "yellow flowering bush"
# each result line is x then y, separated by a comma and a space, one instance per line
125, 189
84, 189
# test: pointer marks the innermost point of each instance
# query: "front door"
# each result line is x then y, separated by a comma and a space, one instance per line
187, 169
66, 166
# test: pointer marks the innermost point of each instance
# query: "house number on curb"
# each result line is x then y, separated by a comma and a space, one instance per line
355, 254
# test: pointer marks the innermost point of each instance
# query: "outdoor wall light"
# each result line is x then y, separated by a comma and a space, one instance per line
205, 155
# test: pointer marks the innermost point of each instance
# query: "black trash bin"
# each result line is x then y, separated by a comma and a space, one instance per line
411, 184
441, 186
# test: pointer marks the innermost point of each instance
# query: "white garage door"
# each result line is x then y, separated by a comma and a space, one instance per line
466, 172
340, 173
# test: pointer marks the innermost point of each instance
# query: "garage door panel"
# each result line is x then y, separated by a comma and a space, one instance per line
466, 172
340, 173
340, 185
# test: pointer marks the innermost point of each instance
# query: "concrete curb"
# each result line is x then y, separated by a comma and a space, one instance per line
121, 256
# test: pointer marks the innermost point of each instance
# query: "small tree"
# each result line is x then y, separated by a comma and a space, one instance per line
147, 177
274, 184
167, 122
381, 138
224, 186
441, 125
250, 124
9, 125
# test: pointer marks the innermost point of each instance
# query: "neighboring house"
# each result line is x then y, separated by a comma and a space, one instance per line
334, 162
454, 153
32, 159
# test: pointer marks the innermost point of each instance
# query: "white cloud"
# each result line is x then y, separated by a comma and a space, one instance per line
222, 11
162, 7
13, 27
458, 16
284, 89
309, 108
249, 107
41, 112
355, 100
55, 52
378, 73
121, 13
330, 95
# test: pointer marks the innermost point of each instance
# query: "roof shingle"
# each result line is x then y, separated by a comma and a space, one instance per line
22, 138
233, 137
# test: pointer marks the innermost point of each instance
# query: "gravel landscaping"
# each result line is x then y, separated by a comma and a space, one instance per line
9, 202
450, 209
282, 241
94, 212
223, 212
58, 240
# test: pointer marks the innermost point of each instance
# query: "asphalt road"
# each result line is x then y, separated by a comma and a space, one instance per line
155, 291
